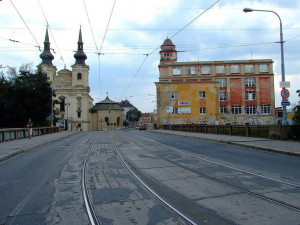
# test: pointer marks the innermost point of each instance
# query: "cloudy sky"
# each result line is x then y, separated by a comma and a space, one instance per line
128, 64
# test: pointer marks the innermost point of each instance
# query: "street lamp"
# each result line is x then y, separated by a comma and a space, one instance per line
246, 10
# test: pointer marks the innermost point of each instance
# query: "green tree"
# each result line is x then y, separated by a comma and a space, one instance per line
26, 95
297, 110
133, 115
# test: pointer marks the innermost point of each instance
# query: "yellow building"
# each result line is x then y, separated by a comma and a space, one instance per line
71, 87
187, 103
106, 115
245, 90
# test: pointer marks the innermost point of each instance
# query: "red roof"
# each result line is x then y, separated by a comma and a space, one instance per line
168, 42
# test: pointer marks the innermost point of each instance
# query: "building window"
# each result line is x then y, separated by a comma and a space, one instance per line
184, 103
249, 69
263, 68
236, 109
201, 94
250, 109
191, 70
223, 96
78, 103
222, 82
234, 69
107, 121
220, 69
175, 111
79, 114
202, 111
223, 109
250, 95
186, 110
250, 82
174, 95
265, 109
62, 104
176, 70
205, 69
79, 76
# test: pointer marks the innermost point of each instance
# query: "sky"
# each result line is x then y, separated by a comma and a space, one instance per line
122, 39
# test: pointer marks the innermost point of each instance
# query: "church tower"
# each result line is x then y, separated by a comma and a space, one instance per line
47, 57
168, 52
80, 71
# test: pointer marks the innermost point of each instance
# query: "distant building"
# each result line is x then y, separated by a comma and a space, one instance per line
71, 87
279, 115
214, 92
145, 118
106, 115
126, 106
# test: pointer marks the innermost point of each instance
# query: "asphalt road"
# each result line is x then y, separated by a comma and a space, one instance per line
237, 176
28, 181
43, 186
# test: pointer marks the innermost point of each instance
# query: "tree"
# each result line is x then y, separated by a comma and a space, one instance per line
297, 110
133, 115
26, 95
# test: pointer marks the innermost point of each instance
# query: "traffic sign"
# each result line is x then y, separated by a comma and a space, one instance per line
285, 94
285, 103
285, 84
169, 109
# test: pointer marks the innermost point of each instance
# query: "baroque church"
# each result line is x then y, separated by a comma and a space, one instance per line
72, 90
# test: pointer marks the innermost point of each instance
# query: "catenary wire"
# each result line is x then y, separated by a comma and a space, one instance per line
135, 75
26, 26
102, 46
48, 26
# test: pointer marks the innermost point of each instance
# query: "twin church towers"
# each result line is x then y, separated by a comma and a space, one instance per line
71, 88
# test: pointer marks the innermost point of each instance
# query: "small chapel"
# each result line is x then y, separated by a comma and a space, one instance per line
75, 105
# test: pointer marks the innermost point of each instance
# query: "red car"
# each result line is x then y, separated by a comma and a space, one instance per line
143, 127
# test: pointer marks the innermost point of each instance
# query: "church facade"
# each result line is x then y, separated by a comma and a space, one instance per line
71, 88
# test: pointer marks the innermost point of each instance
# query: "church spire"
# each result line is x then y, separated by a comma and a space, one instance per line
80, 56
46, 55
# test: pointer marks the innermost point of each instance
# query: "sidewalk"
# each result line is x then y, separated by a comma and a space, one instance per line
11, 148
282, 147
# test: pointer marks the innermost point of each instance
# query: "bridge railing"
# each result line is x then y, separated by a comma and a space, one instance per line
263, 131
9, 134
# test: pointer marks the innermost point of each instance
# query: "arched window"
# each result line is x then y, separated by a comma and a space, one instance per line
62, 104
107, 121
79, 76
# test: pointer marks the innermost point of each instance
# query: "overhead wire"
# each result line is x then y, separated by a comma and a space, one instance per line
147, 55
48, 26
26, 25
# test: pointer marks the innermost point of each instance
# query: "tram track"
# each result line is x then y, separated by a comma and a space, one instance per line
162, 191
178, 212
218, 180
86, 198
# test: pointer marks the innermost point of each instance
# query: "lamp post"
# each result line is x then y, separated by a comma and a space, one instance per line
246, 10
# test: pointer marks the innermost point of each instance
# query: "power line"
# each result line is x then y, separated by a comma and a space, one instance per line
87, 14
135, 75
26, 26
51, 32
98, 53
102, 45
107, 25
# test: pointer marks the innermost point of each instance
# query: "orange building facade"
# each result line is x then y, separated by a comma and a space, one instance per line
235, 91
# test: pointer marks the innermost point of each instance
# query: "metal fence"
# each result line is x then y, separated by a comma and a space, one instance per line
19, 133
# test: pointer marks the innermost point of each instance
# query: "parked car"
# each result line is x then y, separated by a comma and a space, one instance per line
143, 127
